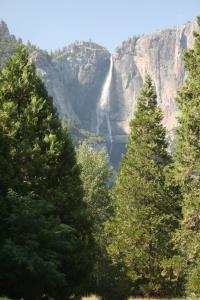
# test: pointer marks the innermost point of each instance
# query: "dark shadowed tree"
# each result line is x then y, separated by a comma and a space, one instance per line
44, 163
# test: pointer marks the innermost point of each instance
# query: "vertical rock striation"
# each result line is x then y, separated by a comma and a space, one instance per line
98, 91
74, 77
161, 55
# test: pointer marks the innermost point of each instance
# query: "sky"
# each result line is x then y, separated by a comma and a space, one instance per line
53, 24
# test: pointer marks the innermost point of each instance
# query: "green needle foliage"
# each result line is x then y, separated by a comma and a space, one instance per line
33, 244
95, 174
6, 170
106, 280
44, 163
187, 166
145, 209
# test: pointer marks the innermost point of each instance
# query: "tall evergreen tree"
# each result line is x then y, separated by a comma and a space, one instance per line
43, 158
106, 280
187, 168
145, 210
95, 174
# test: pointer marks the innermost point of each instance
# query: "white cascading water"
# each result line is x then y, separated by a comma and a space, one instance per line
103, 106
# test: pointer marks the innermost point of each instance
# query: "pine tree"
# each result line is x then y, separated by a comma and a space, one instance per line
32, 245
145, 210
187, 168
106, 280
95, 174
6, 170
43, 158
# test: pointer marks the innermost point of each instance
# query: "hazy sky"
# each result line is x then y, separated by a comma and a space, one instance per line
52, 24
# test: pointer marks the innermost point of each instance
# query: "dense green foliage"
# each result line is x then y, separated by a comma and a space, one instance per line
6, 170
33, 244
95, 175
48, 189
145, 210
80, 135
187, 164
64, 231
106, 279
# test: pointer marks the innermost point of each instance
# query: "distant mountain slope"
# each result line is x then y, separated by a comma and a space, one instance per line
8, 43
75, 76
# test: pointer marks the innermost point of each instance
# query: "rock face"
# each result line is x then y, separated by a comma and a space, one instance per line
161, 55
77, 77
7, 43
74, 78
4, 29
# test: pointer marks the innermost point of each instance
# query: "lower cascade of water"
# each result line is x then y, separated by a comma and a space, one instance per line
103, 107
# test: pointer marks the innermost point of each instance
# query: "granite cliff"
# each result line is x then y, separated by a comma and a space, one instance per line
96, 90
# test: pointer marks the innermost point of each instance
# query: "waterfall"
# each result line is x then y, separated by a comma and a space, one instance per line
103, 107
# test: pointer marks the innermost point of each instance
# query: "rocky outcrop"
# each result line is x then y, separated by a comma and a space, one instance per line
8, 43
4, 29
161, 55
75, 76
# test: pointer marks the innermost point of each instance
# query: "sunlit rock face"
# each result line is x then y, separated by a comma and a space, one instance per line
79, 75
74, 78
160, 55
